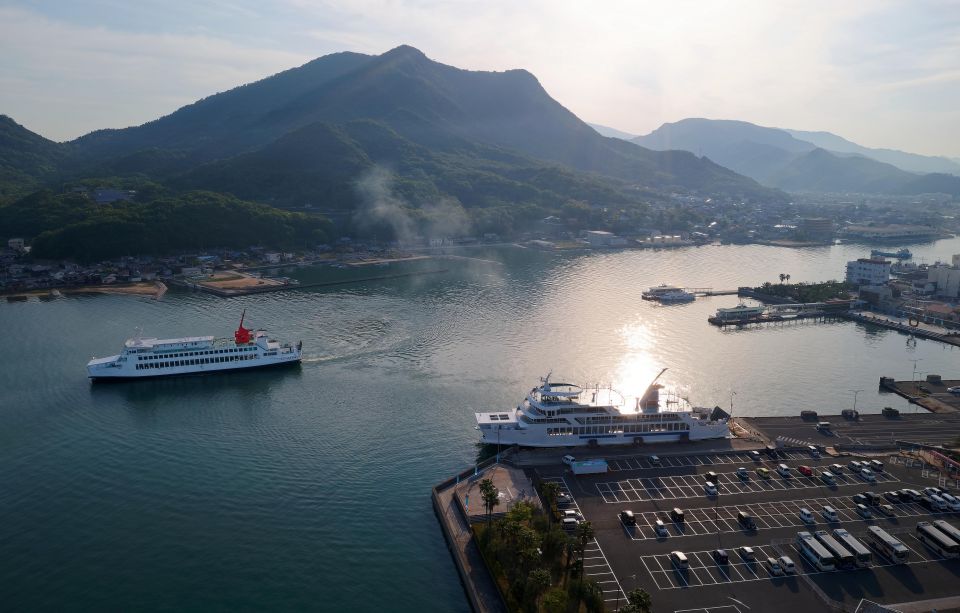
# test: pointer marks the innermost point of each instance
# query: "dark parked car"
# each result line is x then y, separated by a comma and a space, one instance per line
628, 518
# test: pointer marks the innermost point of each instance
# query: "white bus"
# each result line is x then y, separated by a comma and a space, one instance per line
948, 529
842, 557
858, 549
937, 541
816, 553
887, 545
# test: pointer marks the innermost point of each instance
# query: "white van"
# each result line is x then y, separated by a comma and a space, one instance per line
787, 565
679, 559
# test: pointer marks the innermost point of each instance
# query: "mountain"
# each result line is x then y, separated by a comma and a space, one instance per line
26, 158
910, 162
743, 147
781, 159
439, 107
823, 171
612, 132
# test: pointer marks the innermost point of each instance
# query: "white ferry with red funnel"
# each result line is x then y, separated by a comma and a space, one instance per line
143, 358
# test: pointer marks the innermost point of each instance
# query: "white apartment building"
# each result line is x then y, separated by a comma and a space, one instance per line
868, 271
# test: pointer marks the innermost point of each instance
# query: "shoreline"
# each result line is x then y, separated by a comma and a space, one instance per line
143, 288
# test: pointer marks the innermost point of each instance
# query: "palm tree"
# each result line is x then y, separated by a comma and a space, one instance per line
549, 491
538, 580
783, 277
585, 534
490, 495
787, 277
638, 601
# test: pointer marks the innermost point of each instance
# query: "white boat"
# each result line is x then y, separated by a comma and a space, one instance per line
740, 312
564, 415
676, 296
655, 292
143, 358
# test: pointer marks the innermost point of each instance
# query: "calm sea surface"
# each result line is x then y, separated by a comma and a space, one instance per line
309, 489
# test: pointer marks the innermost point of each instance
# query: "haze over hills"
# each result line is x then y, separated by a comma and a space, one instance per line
911, 162
428, 114
783, 159
612, 132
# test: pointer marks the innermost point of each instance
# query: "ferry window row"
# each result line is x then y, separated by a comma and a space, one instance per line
620, 429
196, 361
191, 354
657, 417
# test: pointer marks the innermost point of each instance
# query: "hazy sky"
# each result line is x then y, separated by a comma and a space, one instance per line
884, 74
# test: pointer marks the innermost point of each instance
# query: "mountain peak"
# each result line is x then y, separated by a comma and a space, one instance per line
404, 52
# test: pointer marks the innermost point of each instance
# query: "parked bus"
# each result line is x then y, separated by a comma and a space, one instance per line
842, 557
816, 553
858, 549
937, 541
948, 529
887, 545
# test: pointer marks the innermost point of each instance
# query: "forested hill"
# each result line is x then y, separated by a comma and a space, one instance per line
440, 107
72, 226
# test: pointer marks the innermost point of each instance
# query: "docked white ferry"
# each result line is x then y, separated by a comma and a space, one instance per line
564, 414
153, 357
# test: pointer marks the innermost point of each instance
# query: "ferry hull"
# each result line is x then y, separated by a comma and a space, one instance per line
191, 373
535, 439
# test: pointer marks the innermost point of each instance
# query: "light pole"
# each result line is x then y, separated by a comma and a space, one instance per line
914, 379
855, 392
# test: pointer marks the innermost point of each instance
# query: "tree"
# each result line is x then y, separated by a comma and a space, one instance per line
585, 534
550, 490
490, 495
555, 601
787, 277
538, 580
638, 601
783, 278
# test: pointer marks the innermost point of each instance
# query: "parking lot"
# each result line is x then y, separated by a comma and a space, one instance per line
704, 570
595, 565
775, 514
715, 459
635, 556
692, 486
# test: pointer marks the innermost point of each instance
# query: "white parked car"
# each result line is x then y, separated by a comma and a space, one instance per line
868, 475
939, 503
954, 390
952, 501
806, 516
787, 564
774, 567
709, 488
830, 514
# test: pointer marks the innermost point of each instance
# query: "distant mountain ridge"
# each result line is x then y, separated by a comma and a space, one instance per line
911, 162
440, 107
782, 159
309, 135
612, 132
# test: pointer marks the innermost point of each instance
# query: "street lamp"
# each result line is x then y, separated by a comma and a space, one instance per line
855, 392
914, 379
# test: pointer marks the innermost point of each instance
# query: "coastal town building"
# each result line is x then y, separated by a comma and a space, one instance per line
868, 271
945, 279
